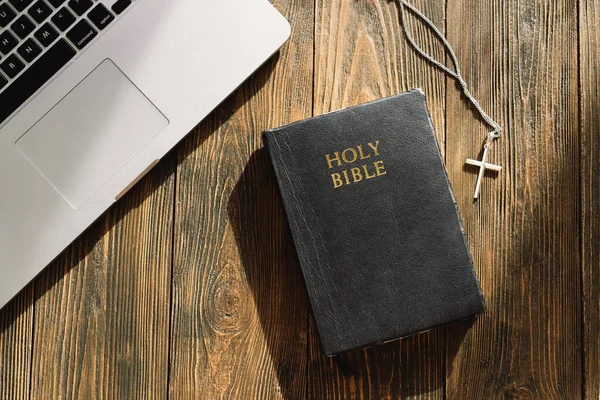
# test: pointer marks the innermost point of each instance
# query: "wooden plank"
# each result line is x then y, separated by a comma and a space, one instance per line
16, 328
589, 65
102, 308
520, 58
361, 55
239, 325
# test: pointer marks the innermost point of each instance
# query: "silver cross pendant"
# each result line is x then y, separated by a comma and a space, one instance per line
483, 165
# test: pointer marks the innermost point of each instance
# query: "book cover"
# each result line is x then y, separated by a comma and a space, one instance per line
374, 221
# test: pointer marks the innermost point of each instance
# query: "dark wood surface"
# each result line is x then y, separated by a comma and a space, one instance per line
589, 130
189, 287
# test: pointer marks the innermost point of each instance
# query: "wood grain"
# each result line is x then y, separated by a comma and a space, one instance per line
102, 308
189, 287
239, 325
16, 338
520, 58
361, 55
589, 57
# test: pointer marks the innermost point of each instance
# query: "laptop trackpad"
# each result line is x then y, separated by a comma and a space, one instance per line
92, 133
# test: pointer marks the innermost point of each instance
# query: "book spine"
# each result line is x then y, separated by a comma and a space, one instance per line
280, 159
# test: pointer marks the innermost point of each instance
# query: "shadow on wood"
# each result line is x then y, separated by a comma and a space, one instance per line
272, 271
417, 352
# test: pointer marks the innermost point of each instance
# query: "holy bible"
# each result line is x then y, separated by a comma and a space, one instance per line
374, 221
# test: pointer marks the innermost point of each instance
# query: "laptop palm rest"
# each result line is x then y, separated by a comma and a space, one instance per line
92, 133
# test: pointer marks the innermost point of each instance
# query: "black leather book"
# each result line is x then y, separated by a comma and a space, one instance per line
375, 223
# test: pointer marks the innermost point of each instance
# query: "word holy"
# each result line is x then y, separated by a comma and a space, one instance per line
367, 170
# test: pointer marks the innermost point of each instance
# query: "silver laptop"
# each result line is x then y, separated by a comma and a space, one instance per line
94, 92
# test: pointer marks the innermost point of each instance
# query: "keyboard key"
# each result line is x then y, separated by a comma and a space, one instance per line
63, 19
80, 6
100, 16
81, 34
7, 42
29, 50
6, 15
22, 26
3, 81
20, 5
46, 35
39, 11
12, 66
120, 6
35, 77
56, 3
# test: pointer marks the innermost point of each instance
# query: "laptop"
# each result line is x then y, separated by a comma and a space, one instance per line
94, 92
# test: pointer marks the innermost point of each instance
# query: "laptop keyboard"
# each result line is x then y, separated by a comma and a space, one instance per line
38, 38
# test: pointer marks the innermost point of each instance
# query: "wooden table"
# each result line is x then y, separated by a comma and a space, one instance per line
189, 287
